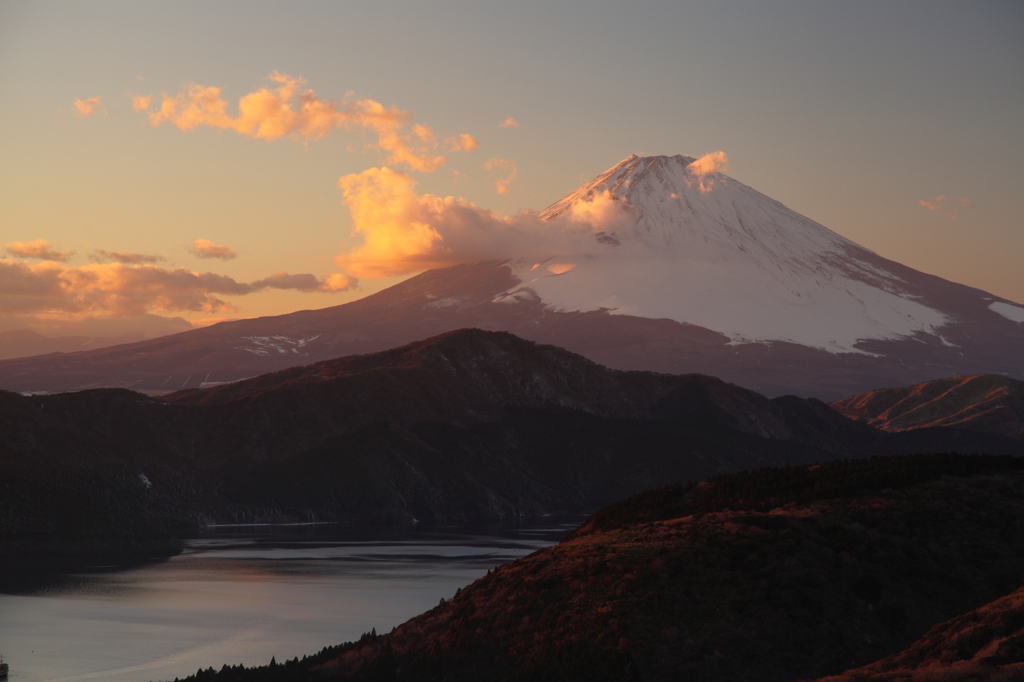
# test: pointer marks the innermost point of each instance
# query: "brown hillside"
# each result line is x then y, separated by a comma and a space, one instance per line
800, 591
985, 644
986, 403
776, 575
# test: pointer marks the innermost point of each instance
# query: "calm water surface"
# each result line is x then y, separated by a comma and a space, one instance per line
242, 595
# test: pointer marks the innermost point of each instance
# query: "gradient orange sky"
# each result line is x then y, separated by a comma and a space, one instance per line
171, 164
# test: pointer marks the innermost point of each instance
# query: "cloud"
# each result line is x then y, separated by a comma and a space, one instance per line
141, 102
92, 106
404, 232
115, 289
709, 163
507, 165
306, 282
462, 143
705, 168
204, 248
102, 256
40, 248
287, 109
947, 206
509, 123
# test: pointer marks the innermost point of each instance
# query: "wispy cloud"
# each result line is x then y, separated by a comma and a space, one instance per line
93, 106
103, 256
115, 289
704, 169
141, 102
509, 123
305, 282
404, 232
204, 248
509, 170
462, 143
287, 109
39, 248
946, 205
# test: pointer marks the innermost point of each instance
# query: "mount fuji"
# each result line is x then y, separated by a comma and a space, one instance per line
693, 272
709, 251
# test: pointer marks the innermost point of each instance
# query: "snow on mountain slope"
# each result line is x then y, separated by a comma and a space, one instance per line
704, 249
1011, 312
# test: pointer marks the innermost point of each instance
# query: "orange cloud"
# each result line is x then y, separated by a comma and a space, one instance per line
115, 289
271, 113
305, 282
704, 168
389, 215
40, 248
92, 106
714, 162
423, 132
404, 232
600, 209
463, 143
507, 165
947, 206
339, 281
509, 123
102, 255
141, 102
204, 248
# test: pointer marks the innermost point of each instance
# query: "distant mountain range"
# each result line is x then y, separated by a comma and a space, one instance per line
695, 272
20, 343
468, 425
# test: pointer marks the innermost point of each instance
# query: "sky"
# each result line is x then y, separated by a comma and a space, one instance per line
168, 165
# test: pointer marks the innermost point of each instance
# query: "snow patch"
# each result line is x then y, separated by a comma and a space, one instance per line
1010, 312
264, 345
446, 302
517, 296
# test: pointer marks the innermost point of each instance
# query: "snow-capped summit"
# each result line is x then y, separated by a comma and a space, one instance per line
673, 199
699, 247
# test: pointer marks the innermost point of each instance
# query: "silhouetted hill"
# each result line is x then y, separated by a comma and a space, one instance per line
986, 644
466, 425
772, 575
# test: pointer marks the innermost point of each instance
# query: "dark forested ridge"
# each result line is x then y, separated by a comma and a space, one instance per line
778, 574
469, 425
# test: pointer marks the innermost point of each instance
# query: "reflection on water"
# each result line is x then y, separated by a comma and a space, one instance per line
244, 594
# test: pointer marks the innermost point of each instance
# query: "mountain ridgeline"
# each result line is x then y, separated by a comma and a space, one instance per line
691, 271
469, 425
986, 404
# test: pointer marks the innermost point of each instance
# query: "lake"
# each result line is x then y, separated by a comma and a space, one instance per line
244, 594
